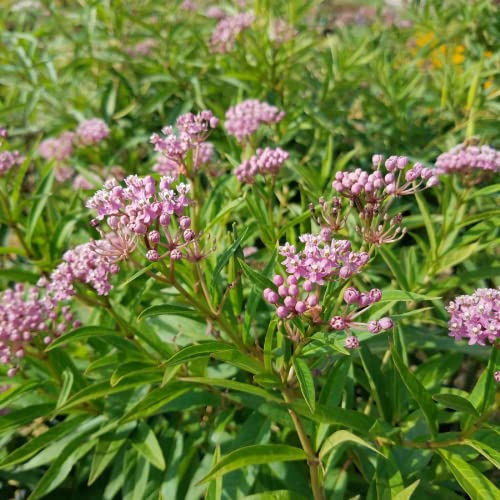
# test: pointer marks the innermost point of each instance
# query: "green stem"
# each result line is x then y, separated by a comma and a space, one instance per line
313, 461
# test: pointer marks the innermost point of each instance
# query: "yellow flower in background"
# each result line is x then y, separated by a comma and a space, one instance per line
440, 51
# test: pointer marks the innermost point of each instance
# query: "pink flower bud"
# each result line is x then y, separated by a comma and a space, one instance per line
154, 236
176, 254
278, 280
300, 307
152, 255
351, 295
189, 235
282, 312
386, 323
312, 301
351, 342
402, 162
338, 323
373, 326
390, 188
433, 181
184, 222
375, 295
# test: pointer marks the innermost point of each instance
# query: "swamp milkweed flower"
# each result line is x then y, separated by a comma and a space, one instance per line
227, 30
476, 317
245, 118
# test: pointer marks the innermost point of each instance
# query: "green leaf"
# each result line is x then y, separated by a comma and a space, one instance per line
404, 296
202, 350
67, 378
475, 484
233, 385
254, 455
214, 491
340, 437
491, 454
102, 389
62, 465
457, 255
255, 277
268, 345
40, 199
306, 382
145, 442
429, 226
377, 382
224, 258
82, 333
105, 452
407, 492
17, 418
129, 369
417, 391
336, 416
14, 392
33, 446
170, 310
455, 402
240, 360
155, 400
276, 495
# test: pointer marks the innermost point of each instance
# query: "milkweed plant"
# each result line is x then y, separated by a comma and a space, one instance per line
249, 250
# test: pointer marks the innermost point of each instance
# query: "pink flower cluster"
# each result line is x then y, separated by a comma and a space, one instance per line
24, 314
465, 158
476, 316
321, 261
92, 131
193, 131
142, 208
246, 117
322, 258
57, 148
227, 30
376, 186
8, 159
84, 264
266, 161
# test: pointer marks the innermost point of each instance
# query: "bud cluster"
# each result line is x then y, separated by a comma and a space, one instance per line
192, 132
470, 160
370, 195
24, 315
266, 161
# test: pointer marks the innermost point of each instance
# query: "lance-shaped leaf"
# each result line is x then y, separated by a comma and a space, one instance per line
475, 484
417, 390
340, 437
254, 455
306, 382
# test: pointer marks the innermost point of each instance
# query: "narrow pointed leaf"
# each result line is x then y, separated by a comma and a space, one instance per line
340, 437
254, 455
306, 382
